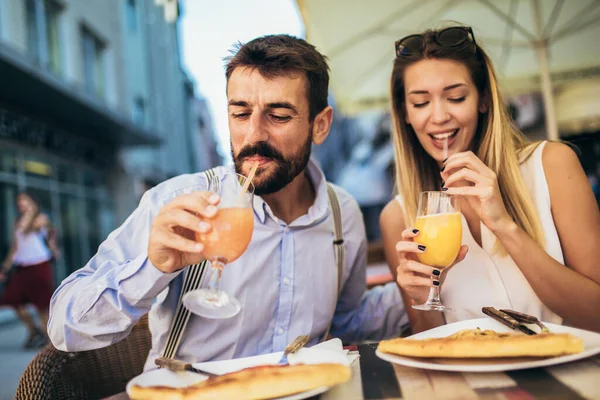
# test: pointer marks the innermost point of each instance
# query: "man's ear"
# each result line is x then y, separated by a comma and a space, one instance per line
322, 124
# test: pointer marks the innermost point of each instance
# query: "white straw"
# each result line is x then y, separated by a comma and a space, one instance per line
445, 148
248, 181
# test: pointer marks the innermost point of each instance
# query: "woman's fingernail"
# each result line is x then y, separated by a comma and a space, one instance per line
436, 283
422, 248
210, 210
443, 168
436, 272
198, 247
444, 189
415, 231
204, 226
213, 198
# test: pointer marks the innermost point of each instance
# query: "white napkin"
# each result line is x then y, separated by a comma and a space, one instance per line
327, 352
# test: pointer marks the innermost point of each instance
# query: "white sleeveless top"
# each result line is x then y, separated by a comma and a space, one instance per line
487, 279
31, 248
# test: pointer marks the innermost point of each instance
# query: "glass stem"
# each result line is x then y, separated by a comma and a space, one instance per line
434, 296
215, 277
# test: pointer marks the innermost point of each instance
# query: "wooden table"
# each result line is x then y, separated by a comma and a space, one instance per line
375, 379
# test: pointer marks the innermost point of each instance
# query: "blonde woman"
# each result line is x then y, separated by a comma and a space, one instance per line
531, 226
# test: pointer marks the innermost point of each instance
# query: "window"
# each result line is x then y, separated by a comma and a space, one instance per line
52, 13
93, 62
131, 16
33, 47
139, 111
43, 33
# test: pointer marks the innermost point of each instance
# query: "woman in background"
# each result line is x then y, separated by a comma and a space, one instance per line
531, 226
30, 256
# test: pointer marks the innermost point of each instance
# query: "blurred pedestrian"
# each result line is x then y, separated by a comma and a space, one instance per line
27, 269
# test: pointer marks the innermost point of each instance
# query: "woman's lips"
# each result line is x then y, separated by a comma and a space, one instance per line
439, 143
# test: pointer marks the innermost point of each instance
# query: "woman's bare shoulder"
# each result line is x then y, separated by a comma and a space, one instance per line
392, 216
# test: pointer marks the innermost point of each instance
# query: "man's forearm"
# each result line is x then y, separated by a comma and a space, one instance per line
88, 312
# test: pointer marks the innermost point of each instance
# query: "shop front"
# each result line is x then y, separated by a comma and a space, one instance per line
68, 177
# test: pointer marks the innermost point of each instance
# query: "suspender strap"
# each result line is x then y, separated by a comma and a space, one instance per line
338, 241
194, 275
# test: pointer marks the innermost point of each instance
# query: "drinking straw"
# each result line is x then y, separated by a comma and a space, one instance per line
445, 148
248, 180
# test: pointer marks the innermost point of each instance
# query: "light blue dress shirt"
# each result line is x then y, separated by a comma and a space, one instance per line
286, 282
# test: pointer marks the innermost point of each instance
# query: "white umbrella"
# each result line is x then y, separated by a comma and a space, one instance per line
531, 42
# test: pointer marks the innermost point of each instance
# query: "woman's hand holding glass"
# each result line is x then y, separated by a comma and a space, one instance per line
466, 175
416, 279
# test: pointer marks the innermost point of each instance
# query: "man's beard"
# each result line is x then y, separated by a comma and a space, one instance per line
285, 169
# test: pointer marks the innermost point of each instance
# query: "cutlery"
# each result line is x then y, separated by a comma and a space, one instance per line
293, 347
526, 318
178, 366
507, 320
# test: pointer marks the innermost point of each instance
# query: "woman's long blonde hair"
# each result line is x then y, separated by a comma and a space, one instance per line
497, 142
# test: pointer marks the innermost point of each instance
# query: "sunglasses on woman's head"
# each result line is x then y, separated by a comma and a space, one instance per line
450, 37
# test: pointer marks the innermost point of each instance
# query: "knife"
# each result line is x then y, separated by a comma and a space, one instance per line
507, 320
178, 365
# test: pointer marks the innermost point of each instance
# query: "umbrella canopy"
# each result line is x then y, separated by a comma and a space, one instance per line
534, 44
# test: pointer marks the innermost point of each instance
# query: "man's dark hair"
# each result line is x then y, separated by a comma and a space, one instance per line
276, 55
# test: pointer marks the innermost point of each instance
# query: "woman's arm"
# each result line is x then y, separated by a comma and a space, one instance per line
573, 292
43, 222
7, 263
392, 224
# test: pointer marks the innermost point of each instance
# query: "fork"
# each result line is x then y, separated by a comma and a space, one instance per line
293, 347
179, 365
529, 319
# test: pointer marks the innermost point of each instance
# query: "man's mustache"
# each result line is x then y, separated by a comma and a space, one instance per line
261, 149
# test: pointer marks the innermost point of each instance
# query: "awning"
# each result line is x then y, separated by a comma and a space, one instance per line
531, 42
28, 88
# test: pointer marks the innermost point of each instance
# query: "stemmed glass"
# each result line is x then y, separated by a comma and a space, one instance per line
440, 230
228, 239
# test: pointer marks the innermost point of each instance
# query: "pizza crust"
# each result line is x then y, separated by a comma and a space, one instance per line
475, 343
256, 383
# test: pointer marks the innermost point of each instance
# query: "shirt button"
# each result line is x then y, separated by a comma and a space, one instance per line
286, 281
280, 331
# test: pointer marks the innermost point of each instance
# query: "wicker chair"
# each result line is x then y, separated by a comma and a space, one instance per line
93, 374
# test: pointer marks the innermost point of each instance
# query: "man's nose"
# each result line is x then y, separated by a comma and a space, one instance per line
256, 131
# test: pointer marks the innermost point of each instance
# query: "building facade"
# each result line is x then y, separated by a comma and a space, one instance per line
94, 105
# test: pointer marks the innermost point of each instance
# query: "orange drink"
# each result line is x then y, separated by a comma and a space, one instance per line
440, 230
230, 235
442, 235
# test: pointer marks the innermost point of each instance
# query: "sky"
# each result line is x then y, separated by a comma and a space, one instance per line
210, 28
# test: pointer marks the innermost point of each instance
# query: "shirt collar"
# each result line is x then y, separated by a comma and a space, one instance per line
316, 212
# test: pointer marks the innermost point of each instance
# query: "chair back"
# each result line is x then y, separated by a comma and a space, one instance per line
92, 374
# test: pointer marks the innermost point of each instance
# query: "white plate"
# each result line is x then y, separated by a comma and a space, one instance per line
330, 351
164, 377
591, 343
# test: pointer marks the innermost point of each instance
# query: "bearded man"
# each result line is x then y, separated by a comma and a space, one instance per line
286, 281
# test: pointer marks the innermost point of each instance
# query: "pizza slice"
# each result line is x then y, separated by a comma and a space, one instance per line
255, 383
477, 343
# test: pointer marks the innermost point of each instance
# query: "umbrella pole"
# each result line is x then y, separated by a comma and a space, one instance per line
547, 95
541, 50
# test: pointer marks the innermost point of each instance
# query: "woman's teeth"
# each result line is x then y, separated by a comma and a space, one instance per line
441, 136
